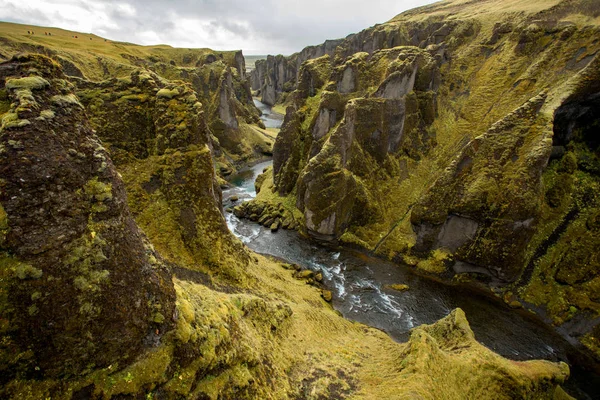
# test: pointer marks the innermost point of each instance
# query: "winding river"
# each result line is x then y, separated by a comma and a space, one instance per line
360, 290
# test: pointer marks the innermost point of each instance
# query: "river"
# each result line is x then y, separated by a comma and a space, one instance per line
359, 286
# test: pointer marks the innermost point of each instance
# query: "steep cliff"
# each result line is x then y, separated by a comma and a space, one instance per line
120, 280
82, 287
218, 79
458, 138
278, 75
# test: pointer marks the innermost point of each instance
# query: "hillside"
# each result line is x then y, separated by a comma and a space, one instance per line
458, 138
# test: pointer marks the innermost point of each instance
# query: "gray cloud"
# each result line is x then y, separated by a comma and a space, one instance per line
257, 27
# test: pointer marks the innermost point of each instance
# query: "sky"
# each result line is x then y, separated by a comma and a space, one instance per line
256, 27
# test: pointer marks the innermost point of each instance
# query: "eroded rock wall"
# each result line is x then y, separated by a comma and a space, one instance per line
81, 287
458, 140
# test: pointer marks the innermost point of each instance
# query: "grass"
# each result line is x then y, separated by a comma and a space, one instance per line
83, 50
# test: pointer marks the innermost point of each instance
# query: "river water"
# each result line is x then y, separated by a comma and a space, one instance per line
359, 286
270, 118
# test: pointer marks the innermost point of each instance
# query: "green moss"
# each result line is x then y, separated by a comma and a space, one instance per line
99, 191
140, 377
167, 93
11, 120
136, 98
30, 82
67, 100
400, 287
46, 115
3, 225
26, 271
568, 164
436, 263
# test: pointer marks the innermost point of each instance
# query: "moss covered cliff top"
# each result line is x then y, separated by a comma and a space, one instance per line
578, 12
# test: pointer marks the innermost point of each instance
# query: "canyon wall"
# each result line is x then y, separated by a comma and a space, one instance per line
458, 138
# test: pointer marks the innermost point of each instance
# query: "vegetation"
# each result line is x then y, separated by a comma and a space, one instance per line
119, 278
427, 140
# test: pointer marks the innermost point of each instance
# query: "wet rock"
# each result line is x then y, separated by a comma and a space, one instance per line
327, 295
515, 304
239, 211
274, 227
400, 287
305, 274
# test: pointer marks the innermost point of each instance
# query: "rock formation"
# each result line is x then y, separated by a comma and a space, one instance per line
278, 74
82, 287
457, 138
119, 279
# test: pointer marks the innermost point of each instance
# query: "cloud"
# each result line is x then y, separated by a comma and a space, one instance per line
257, 27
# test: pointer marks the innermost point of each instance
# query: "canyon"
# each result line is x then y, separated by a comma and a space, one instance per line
457, 142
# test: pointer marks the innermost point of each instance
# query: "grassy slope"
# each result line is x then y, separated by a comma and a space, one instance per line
275, 338
84, 52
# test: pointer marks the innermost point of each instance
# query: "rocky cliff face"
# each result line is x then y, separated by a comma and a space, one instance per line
278, 74
458, 138
159, 137
82, 287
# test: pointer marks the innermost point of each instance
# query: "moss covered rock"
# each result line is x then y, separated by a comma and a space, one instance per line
457, 140
81, 286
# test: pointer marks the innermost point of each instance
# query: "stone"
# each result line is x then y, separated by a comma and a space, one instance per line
87, 268
305, 274
274, 227
327, 295
400, 287
515, 304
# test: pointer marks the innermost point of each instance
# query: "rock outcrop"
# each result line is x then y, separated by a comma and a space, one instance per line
218, 79
457, 139
161, 142
81, 287
278, 74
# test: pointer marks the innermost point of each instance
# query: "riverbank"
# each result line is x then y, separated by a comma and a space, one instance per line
361, 286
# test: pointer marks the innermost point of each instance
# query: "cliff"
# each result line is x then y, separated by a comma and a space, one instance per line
218, 79
119, 278
278, 74
457, 138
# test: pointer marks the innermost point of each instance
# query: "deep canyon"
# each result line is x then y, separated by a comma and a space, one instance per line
412, 211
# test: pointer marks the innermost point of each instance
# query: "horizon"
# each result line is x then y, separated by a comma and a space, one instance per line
227, 25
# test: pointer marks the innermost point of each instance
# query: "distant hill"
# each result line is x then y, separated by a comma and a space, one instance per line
251, 61
95, 57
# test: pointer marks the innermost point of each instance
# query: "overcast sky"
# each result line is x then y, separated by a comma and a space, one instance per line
257, 27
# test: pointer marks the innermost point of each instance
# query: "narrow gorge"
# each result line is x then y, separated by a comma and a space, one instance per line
412, 211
